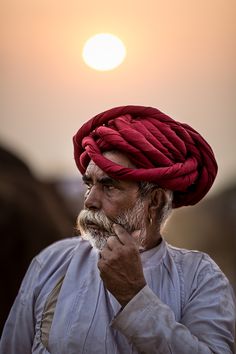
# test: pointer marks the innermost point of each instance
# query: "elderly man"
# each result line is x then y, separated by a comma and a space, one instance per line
120, 288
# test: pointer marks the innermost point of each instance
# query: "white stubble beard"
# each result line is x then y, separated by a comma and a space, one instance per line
132, 219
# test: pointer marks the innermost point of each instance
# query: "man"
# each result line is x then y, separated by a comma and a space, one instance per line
120, 288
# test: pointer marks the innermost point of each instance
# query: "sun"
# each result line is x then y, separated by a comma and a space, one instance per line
103, 52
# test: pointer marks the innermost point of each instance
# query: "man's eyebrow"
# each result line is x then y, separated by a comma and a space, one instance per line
86, 178
108, 180
102, 180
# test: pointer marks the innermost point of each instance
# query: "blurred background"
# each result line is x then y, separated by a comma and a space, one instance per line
180, 59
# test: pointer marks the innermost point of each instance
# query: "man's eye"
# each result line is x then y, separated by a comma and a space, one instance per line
108, 187
88, 186
88, 189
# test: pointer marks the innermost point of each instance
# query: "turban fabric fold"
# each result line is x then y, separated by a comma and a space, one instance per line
171, 154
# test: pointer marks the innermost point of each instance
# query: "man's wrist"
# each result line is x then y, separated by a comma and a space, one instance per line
124, 300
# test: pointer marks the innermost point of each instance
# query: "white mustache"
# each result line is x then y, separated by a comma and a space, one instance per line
98, 219
96, 227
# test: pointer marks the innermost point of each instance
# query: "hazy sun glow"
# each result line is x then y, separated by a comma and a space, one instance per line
104, 51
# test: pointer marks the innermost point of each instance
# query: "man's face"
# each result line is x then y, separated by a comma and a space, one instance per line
109, 201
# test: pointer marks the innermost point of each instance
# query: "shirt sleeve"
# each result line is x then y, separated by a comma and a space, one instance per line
18, 332
207, 324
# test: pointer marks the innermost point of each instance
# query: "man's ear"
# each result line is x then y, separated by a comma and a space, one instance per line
157, 200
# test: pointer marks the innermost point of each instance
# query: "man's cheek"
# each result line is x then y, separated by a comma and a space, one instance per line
136, 234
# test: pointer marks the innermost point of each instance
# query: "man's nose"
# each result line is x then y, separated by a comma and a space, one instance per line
92, 199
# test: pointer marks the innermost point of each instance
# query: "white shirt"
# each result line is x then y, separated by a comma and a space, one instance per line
187, 306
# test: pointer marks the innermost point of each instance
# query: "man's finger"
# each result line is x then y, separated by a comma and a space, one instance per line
113, 242
123, 235
105, 253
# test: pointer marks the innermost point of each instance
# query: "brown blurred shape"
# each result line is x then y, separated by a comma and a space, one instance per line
32, 216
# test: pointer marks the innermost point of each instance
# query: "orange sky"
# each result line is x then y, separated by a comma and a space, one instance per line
180, 59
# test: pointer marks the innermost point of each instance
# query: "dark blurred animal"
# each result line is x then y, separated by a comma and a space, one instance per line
32, 216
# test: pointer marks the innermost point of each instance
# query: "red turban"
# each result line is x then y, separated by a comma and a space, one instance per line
171, 154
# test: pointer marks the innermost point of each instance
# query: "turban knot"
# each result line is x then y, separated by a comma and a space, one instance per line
171, 154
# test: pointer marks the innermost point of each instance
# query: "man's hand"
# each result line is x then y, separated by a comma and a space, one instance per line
120, 266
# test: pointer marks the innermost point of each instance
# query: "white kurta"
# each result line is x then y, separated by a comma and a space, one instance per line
187, 306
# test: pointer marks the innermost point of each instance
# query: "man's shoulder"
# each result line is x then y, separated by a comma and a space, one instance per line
185, 252
192, 258
59, 251
180, 252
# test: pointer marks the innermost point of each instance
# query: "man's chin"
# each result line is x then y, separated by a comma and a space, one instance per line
96, 241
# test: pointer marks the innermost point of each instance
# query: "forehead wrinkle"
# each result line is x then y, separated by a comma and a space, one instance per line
93, 172
119, 158
114, 156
